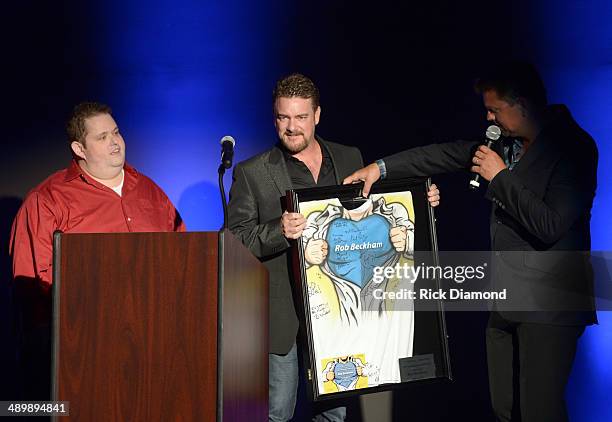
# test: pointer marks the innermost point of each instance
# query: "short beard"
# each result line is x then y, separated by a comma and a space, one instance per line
295, 148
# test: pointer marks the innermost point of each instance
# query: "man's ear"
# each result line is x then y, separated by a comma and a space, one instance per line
317, 115
78, 148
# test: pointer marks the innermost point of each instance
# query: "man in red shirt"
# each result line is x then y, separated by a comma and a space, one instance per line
98, 193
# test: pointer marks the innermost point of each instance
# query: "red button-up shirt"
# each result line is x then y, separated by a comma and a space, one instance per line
71, 201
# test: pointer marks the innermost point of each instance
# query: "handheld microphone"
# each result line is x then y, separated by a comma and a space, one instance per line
492, 135
227, 151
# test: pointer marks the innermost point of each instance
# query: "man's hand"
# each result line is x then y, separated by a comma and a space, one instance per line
487, 163
433, 196
316, 251
292, 224
368, 175
398, 237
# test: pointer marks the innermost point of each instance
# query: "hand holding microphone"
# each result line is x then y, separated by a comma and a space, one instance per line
486, 161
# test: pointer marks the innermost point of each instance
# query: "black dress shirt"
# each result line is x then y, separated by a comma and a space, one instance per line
301, 177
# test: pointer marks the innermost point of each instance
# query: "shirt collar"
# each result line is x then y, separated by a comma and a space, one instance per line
74, 170
359, 213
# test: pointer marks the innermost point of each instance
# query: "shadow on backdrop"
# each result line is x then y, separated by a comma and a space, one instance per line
200, 207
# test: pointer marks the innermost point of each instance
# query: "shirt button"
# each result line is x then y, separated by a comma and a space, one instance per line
129, 219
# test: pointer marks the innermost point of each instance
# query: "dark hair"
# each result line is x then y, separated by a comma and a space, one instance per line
296, 85
75, 128
514, 80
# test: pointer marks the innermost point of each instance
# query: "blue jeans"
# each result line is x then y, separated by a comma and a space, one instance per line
283, 385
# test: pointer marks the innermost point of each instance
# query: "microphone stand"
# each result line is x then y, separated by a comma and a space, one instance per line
227, 156
223, 198
220, 292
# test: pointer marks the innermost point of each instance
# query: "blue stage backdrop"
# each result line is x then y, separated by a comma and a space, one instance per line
573, 42
180, 76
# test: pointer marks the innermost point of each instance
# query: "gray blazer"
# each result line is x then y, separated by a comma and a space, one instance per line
259, 184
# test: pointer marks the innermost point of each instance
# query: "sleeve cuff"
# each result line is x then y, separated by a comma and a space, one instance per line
493, 184
281, 242
382, 168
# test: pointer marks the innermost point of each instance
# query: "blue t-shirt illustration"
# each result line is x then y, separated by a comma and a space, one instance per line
345, 373
356, 247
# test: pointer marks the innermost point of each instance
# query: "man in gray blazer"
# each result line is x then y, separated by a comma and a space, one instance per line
542, 184
256, 216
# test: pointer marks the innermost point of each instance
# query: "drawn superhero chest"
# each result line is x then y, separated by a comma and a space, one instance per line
356, 247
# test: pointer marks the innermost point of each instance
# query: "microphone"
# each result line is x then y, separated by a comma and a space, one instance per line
227, 151
227, 155
492, 135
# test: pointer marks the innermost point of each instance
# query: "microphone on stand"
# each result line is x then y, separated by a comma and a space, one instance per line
227, 151
493, 133
227, 155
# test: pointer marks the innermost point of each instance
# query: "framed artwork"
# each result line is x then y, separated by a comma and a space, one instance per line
363, 326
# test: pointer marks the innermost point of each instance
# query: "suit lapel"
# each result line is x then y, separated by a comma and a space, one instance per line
531, 156
277, 168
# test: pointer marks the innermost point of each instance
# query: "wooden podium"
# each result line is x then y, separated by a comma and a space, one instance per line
159, 327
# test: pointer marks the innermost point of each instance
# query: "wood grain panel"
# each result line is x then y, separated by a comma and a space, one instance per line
136, 339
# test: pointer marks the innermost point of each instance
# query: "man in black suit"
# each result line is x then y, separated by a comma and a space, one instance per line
256, 216
542, 184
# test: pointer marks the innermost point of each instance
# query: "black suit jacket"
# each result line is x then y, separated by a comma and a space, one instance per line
540, 219
259, 184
